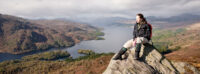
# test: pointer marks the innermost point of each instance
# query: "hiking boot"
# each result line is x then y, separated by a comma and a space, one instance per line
136, 56
137, 51
120, 53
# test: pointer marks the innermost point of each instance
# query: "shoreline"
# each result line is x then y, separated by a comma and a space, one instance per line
32, 52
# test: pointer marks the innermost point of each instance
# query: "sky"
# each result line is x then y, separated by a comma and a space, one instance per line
97, 8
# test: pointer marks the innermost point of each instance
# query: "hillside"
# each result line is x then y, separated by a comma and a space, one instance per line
152, 62
48, 62
189, 42
18, 35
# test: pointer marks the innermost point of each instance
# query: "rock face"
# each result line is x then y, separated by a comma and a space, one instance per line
152, 62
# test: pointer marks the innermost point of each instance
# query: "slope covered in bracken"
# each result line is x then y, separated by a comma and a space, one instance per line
190, 46
18, 35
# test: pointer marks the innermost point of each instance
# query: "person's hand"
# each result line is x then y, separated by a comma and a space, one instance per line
134, 42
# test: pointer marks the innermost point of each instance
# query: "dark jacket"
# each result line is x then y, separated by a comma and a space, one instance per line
143, 31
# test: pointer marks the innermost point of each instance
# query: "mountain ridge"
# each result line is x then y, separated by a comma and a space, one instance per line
20, 35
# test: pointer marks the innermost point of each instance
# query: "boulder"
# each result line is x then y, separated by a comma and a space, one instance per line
151, 62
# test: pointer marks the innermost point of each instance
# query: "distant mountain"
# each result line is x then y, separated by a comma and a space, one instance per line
161, 22
155, 20
18, 35
104, 21
177, 18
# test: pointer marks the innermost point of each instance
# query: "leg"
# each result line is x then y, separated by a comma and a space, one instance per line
137, 50
126, 46
120, 53
139, 42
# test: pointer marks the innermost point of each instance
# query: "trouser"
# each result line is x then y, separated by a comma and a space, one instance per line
132, 43
137, 44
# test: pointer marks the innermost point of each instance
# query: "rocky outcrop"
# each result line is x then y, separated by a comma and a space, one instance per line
151, 62
185, 68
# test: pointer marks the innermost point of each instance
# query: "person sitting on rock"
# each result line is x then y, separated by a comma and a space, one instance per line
141, 34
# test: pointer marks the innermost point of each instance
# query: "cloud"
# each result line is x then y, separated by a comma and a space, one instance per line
97, 8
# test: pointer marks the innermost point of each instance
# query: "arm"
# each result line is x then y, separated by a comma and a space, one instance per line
134, 32
148, 31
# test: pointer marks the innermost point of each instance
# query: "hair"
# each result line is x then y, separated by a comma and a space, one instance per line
143, 19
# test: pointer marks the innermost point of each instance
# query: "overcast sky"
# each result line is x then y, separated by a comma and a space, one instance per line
97, 8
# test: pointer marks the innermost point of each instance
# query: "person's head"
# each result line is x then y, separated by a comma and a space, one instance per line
140, 19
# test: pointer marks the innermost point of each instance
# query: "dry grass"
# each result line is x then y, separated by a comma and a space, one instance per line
92, 64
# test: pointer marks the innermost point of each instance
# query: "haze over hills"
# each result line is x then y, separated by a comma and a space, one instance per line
158, 22
18, 35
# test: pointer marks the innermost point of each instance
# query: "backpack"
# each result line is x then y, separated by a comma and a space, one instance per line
150, 30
